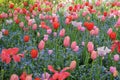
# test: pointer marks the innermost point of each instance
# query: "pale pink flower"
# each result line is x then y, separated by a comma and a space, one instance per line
34, 26
45, 76
27, 18
98, 3
41, 16
103, 18
3, 30
14, 77
67, 21
79, 28
34, 13
66, 41
112, 69
21, 24
62, 32
96, 31
49, 31
116, 57
83, 43
76, 49
117, 23
90, 46
55, 34
84, 14
45, 37
30, 23
41, 45
50, 52
109, 31
82, 29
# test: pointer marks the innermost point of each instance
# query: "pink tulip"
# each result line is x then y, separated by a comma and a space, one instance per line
41, 16
73, 65
50, 52
92, 32
93, 55
27, 18
14, 77
45, 37
21, 24
30, 23
112, 69
49, 31
83, 43
90, 46
76, 49
117, 23
109, 31
55, 34
103, 18
34, 26
79, 28
96, 31
116, 57
82, 29
62, 32
66, 41
67, 21
41, 45
34, 13
73, 45
84, 14
97, 3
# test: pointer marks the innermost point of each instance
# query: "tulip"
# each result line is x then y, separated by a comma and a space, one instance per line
66, 41
41, 45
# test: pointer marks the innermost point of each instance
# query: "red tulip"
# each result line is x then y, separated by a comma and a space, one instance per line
26, 38
56, 25
112, 35
34, 53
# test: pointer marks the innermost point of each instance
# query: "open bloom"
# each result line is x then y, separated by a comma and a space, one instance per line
113, 70
7, 54
25, 76
62, 75
102, 51
116, 44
